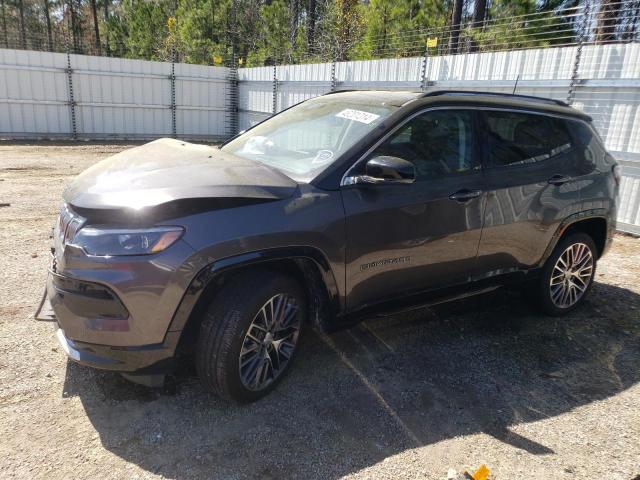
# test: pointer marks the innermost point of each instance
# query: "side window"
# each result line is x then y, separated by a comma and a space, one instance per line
522, 138
588, 141
438, 143
582, 133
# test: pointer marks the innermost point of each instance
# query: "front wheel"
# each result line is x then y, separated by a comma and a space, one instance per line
250, 335
567, 276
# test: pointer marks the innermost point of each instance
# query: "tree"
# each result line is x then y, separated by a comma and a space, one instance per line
146, 26
381, 18
203, 30
311, 24
273, 43
513, 25
348, 22
45, 4
479, 12
4, 23
117, 31
263, 31
399, 27
74, 26
608, 19
426, 14
456, 18
23, 28
105, 4
294, 20
94, 13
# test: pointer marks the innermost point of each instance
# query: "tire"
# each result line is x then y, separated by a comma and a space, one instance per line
565, 295
245, 303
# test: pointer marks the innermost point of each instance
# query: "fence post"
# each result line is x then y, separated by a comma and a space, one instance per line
72, 102
576, 65
172, 80
233, 121
423, 74
234, 84
334, 80
275, 87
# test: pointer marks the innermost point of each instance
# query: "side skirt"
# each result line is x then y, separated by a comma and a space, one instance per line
432, 297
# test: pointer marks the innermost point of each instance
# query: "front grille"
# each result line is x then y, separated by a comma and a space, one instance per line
68, 225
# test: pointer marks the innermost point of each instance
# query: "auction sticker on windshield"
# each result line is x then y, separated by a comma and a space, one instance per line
358, 115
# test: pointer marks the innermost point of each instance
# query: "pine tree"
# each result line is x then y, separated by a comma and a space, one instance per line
146, 27
105, 4
23, 28
94, 13
608, 19
3, 12
45, 5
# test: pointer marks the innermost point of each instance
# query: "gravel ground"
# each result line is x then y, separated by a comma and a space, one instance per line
481, 381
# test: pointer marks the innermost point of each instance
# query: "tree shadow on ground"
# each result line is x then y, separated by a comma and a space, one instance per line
387, 385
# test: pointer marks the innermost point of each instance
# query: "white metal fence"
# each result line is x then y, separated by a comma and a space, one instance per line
606, 85
54, 95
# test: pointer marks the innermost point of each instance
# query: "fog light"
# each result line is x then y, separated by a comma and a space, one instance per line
108, 324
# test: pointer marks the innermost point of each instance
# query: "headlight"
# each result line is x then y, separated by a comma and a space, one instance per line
112, 242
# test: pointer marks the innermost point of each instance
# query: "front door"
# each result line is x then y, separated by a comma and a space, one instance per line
402, 239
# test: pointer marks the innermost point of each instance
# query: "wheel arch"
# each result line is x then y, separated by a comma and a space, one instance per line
306, 264
596, 223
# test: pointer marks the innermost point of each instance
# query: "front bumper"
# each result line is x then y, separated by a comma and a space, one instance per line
83, 308
78, 306
143, 360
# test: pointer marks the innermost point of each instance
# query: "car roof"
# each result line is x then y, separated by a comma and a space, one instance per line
470, 98
392, 97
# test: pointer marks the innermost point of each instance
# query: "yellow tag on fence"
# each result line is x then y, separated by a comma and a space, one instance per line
432, 42
217, 59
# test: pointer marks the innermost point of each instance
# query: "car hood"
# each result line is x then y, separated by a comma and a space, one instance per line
166, 170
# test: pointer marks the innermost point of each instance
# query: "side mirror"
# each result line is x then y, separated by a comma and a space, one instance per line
384, 170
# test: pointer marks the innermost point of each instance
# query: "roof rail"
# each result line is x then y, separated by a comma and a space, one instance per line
530, 98
342, 91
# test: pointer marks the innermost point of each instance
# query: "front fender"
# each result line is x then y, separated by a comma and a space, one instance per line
206, 277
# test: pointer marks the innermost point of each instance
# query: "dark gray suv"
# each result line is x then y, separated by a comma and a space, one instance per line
348, 205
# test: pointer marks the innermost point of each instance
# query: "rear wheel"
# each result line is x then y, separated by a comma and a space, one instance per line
567, 276
250, 335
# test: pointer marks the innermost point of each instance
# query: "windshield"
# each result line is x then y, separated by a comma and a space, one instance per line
303, 141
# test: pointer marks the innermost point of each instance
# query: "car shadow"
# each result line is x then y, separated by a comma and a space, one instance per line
359, 396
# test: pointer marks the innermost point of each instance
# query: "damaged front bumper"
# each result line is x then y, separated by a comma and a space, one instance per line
76, 305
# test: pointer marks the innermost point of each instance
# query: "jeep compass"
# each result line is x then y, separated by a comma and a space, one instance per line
348, 205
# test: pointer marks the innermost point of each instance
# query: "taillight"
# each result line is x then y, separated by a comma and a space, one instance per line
617, 174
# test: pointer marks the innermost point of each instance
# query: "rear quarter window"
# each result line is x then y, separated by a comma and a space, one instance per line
589, 143
583, 133
515, 138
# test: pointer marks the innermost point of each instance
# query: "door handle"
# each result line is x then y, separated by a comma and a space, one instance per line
465, 195
559, 179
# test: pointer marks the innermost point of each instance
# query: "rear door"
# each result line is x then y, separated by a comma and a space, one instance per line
402, 239
531, 176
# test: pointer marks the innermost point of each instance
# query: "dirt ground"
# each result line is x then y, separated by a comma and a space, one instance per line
487, 380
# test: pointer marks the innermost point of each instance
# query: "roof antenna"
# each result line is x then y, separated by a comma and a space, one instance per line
516, 85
